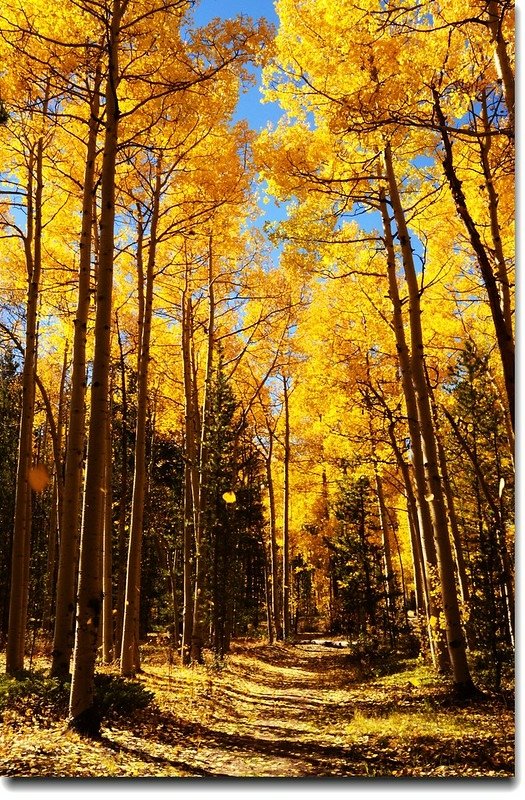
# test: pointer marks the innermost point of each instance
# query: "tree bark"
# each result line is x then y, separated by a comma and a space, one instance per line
387, 553
122, 516
451, 509
454, 632
286, 513
129, 654
277, 620
428, 548
197, 638
107, 548
502, 60
57, 505
84, 716
22, 521
69, 529
191, 482
188, 578
485, 141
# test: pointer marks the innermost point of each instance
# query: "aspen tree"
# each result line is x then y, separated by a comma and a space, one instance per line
451, 508
70, 534
58, 502
277, 620
124, 485
425, 525
128, 662
22, 524
107, 549
84, 716
190, 466
435, 499
501, 322
286, 510
382, 513
199, 486
496, 11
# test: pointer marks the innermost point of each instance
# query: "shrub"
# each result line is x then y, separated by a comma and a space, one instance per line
117, 696
48, 698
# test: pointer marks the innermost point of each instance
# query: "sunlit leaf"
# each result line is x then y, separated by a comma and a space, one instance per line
38, 477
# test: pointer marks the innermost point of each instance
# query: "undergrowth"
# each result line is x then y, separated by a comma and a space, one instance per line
48, 697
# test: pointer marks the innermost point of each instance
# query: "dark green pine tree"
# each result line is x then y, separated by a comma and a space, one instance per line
10, 393
478, 446
235, 551
357, 565
161, 599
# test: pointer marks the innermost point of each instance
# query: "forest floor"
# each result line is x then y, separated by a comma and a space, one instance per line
293, 710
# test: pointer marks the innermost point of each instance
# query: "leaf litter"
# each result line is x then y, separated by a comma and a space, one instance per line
272, 711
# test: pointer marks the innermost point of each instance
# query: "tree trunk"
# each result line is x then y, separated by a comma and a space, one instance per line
128, 661
56, 511
485, 141
122, 516
84, 716
191, 482
197, 638
274, 560
268, 594
454, 632
22, 522
502, 60
428, 548
69, 529
172, 570
451, 509
387, 554
107, 547
420, 581
188, 578
390, 584
286, 513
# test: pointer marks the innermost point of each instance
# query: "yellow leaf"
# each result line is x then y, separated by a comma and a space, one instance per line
229, 497
38, 477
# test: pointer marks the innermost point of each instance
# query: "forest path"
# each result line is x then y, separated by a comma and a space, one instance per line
278, 714
311, 710
287, 710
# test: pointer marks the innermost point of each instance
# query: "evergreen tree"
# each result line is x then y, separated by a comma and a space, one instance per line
9, 414
356, 562
235, 552
483, 478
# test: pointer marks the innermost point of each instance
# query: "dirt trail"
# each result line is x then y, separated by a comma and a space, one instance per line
290, 711
308, 710
277, 715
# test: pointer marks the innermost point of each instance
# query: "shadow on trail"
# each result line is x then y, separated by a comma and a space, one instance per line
315, 759
311, 758
278, 712
295, 666
191, 769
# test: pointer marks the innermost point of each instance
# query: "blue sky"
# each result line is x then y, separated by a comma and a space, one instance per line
250, 106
